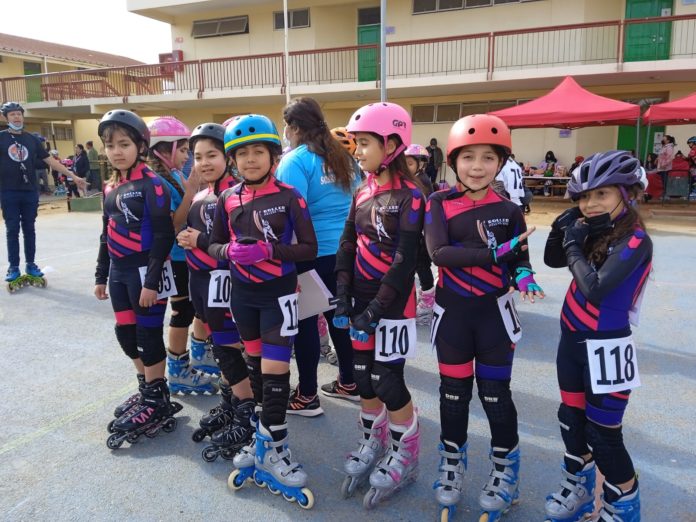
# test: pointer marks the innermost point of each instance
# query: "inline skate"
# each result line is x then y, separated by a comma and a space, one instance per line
448, 488
619, 506
14, 279
231, 438
371, 447
34, 276
219, 416
271, 465
202, 358
184, 378
502, 489
130, 401
154, 412
399, 465
574, 502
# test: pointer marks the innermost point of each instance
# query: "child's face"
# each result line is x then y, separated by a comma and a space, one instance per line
603, 200
477, 166
120, 150
412, 164
253, 161
209, 161
181, 155
370, 151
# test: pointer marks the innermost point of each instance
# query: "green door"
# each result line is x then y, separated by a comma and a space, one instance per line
627, 139
648, 41
33, 85
368, 59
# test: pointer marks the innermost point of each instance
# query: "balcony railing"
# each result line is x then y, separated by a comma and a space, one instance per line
609, 42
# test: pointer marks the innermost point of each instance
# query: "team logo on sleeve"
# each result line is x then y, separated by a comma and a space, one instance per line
121, 205
378, 224
206, 211
18, 152
264, 226
486, 235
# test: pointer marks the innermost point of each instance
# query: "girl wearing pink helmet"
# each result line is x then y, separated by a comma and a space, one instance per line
477, 239
375, 263
169, 151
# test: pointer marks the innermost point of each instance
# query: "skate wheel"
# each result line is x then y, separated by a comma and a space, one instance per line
306, 499
370, 499
273, 489
132, 438
199, 435
114, 442
485, 517
209, 454
110, 426
235, 482
348, 487
169, 425
289, 498
151, 434
331, 358
259, 481
445, 514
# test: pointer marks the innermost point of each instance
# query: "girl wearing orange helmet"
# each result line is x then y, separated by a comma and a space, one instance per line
478, 240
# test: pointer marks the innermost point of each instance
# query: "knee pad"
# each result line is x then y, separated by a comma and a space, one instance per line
609, 452
455, 395
150, 345
362, 366
231, 363
253, 365
388, 383
182, 313
573, 422
276, 391
126, 337
496, 400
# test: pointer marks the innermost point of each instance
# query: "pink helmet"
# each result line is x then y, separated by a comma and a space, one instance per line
167, 129
383, 119
417, 151
67, 162
228, 121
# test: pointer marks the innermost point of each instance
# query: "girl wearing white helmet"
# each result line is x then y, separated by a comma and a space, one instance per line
169, 151
375, 263
603, 242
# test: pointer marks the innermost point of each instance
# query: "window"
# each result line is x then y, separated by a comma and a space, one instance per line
451, 112
447, 113
433, 6
62, 132
220, 27
368, 16
423, 113
297, 18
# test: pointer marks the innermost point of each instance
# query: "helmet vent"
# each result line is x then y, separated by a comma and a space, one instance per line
252, 129
494, 130
472, 130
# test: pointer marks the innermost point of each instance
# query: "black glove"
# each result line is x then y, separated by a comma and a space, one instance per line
599, 224
566, 218
367, 320
576, 235
344, 307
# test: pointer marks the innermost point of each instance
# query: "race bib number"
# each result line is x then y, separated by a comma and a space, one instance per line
219, 289
395, 339
613, 365
166, 286
288, 305
506, 305
438, 312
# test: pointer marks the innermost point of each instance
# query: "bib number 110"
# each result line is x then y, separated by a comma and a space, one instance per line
395, 339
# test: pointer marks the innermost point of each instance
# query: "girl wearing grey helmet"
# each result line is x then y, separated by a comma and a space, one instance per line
603, 242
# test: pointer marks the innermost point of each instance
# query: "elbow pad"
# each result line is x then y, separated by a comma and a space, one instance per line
404, 261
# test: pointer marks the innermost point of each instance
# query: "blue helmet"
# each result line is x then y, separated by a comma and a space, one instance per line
614, 167
691, 140
251, 128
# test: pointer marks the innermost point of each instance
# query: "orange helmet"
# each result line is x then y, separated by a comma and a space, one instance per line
478, 129
345, 138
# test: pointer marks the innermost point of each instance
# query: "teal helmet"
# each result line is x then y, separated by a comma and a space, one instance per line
251, 128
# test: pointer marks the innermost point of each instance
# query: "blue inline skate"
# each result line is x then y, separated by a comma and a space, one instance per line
448, 488
227, 441
14, 279
184, 378
219, 416
269, 463
154, 412
618, 506
574, 502
34, 276
502, 489
202, 358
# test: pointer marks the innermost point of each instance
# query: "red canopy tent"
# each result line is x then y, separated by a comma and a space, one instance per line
677, 112
569, 106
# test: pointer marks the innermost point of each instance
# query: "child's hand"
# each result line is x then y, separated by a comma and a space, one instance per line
100, 292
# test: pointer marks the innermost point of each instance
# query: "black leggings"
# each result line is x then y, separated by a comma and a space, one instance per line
425, 273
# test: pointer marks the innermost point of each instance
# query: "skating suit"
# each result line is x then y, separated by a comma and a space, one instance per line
264, 294
214, 310
599, 304
460, 234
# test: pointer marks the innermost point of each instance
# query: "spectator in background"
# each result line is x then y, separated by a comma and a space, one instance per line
434, 160
665, 158
41, 169
651, 162
511, 177
576, 164
94, 171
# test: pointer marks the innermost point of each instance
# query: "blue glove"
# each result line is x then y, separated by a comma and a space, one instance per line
365, 323
344, 307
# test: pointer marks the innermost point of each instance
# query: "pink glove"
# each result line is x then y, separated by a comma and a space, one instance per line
249, 254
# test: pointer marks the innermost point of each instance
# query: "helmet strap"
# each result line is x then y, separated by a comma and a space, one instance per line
166, 162
389, 158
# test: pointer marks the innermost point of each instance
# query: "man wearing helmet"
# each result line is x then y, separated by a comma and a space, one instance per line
20, 154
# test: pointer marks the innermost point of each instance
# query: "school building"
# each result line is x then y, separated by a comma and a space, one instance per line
445, 59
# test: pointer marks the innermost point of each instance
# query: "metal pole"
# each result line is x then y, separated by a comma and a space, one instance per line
383, 50
638, 138
287, 53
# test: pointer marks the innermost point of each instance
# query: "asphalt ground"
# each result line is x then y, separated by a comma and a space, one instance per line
63, 372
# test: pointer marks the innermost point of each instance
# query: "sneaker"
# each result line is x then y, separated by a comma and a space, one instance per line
340, 391
424, 309
304, 406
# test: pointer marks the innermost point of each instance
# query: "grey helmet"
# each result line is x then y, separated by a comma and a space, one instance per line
127, 118
614, 167
8, 107
213, 131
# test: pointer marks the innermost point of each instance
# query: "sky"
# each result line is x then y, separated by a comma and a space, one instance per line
101, 25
